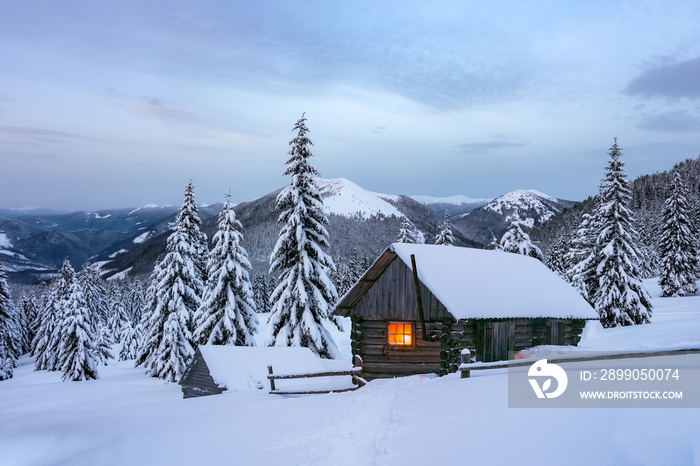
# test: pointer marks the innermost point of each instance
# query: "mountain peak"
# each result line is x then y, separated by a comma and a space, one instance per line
343, 197
526, 206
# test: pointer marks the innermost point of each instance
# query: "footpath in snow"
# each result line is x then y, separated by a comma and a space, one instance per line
126, 417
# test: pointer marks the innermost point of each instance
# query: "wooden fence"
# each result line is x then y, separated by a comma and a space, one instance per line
356, 372
467, 366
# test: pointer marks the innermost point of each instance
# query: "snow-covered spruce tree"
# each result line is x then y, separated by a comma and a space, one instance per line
356, 266
175, 294
227, 315
130, 337
27, 307
95, 293
77, 359
620, 298
9, 330
117, 313
678, 242
47, 341
557, 259
516, 241
304, 294
261, 293
103, 342
134, 301
406, 232
648, 225
189, 221
342, 278
445, 237
147, 347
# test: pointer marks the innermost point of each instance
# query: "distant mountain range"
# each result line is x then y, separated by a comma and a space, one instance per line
451, 206
529, 208
33, 245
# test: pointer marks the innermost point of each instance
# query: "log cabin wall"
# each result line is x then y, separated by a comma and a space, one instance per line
383, 361
393, 297
494, 340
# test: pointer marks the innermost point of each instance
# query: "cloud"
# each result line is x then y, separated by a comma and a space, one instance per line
679, 121
37, 136
158, 108
681, 79
480, 148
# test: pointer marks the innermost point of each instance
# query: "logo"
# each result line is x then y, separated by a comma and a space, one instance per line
548, 371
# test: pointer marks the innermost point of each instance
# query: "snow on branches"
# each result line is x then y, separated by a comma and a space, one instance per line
304, 294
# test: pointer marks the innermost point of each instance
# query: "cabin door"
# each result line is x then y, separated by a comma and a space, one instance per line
495, 342
500, 341
556, 335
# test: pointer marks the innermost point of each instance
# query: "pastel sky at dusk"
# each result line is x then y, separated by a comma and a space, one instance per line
110, 103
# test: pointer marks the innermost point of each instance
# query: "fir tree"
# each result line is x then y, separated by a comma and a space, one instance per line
406, 232
620, 298
30, 309
9, 330
47, 341
148, 344
516, 241
102, 344
678, 242
587, 249
173, 297
445, 237
76, 358
117, 314
261, 293
557, 260
648, 227
24, 325
188, 219
133, 301
130, 337
227, 315
95, 293
302, 300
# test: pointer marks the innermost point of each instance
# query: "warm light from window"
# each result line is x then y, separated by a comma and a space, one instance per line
400, 334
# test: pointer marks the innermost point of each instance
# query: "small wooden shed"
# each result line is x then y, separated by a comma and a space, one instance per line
491, 302
218, 368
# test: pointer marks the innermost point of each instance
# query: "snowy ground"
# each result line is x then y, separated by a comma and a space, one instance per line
130, 419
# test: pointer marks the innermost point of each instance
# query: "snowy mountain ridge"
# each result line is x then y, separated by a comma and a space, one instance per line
459, 199
525, 206
451, 206
343, 197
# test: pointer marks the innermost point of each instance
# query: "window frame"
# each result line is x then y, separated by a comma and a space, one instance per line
398, 346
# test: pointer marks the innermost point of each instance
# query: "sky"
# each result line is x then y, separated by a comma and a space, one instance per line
119, 103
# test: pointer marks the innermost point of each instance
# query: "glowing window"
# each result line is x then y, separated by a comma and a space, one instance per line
400, 334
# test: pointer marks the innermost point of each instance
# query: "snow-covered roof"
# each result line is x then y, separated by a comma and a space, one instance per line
481, 284
243, 367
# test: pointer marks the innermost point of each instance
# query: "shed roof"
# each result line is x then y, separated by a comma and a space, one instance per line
243, 368
480, 284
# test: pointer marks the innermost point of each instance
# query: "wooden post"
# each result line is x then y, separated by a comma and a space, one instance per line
420, 301
272, 381
466, 358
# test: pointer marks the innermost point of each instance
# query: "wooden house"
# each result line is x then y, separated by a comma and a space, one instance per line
491, 302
